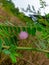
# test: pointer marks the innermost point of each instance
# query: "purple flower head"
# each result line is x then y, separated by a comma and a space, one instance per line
23, 35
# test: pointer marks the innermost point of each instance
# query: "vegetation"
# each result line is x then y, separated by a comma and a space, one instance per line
9, 33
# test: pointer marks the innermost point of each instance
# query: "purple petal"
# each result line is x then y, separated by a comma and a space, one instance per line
23, 35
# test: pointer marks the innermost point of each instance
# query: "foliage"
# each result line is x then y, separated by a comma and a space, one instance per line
8, 38
9, 33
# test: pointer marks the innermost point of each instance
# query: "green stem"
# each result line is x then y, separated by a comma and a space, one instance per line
33, 49
28, 48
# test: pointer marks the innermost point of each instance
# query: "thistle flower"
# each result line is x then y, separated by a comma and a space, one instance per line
23, 35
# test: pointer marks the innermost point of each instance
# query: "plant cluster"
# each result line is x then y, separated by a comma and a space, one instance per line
9, 33
9, 38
